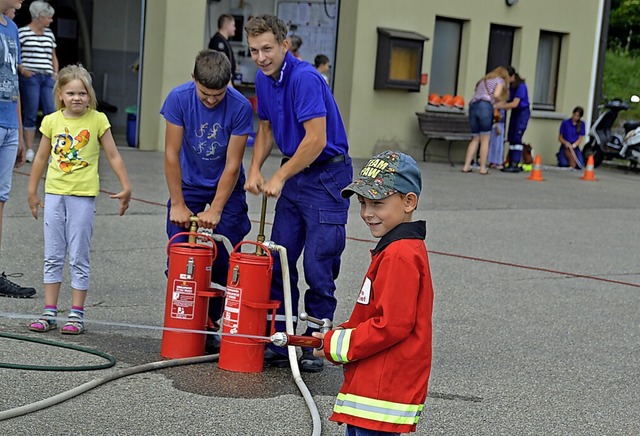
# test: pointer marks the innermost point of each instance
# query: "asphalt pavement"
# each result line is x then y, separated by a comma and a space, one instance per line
535, 325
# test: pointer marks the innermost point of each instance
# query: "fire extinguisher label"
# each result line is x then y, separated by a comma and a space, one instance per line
233, 297
183, 300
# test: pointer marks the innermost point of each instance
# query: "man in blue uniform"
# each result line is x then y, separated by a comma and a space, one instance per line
297, 108
207, 125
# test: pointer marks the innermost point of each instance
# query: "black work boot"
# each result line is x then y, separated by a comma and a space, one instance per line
275, 360
511, 169
310, 363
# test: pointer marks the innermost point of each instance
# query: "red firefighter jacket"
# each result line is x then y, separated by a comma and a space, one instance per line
385, 346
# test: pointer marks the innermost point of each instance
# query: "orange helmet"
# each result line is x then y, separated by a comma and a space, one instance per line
434, 100
458, 102
447, 100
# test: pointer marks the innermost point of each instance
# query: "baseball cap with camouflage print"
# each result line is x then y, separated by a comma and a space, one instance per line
385, 174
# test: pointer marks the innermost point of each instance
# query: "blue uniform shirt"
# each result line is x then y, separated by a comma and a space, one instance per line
206, 131
569, 131
299, 94
521, 93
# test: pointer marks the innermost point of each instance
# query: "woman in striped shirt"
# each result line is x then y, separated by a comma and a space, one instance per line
491, 93
38, 69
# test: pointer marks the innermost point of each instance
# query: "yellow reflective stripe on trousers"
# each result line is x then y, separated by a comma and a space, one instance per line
378, 410
339, 346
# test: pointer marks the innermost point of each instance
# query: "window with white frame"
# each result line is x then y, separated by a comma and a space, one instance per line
547, 68
445, 58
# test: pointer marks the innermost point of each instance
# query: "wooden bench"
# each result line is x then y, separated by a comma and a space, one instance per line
444, 125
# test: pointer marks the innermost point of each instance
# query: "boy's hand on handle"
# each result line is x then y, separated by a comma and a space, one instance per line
273, 187
254, 182
125, 197
180, 216
34, 201
209, 219
318, 352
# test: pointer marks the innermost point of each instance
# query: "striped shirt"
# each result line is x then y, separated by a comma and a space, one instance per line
37, 50
485, 89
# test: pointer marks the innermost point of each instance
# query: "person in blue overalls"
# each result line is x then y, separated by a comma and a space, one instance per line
572, 133
207, 126
520, 113
297, 109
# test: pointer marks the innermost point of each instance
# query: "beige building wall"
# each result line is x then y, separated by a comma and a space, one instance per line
386, 118
170, 49
380, 119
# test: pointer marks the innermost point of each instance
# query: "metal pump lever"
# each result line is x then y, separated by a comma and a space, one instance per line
324, 323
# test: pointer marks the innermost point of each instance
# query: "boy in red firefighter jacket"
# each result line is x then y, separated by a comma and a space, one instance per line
385, 346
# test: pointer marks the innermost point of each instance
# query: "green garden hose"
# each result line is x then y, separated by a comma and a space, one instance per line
111, 361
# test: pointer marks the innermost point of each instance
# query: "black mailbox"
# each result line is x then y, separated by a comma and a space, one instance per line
399, 59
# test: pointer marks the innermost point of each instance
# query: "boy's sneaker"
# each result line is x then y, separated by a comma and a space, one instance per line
30, 155
10, 289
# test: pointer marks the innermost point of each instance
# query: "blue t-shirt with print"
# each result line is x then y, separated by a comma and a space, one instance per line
9, 60
207, 131
299, 94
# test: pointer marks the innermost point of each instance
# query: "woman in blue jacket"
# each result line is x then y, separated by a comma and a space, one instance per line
520, 113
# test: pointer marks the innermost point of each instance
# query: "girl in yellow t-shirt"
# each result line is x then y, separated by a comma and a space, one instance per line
71, 137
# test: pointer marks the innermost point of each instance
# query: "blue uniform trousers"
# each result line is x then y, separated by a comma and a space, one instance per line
517, 126
234, 224
310, 217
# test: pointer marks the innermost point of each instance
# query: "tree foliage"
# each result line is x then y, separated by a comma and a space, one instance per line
624, 25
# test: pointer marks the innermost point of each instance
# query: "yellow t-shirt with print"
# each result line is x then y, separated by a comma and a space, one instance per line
75, 150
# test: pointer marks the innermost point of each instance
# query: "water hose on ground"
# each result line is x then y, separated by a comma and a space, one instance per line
71, 393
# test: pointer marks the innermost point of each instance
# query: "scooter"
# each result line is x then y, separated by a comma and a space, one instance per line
605, 145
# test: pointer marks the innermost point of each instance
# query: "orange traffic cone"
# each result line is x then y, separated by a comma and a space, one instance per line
536, 172
589, 174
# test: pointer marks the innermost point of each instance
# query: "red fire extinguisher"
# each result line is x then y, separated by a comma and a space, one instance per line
245, 311
188, 293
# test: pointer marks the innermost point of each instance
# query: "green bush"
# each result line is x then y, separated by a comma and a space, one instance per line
621, 79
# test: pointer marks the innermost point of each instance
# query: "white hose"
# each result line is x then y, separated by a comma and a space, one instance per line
225, 241
293, 358
575, 158
64, 396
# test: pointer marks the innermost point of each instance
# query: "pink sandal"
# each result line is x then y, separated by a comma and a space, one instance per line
74, 326
45, 323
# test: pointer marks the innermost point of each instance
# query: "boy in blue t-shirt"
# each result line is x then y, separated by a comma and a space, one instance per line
207, 125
